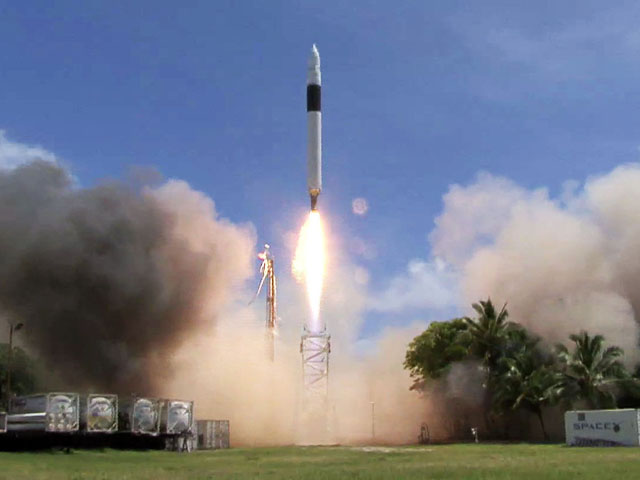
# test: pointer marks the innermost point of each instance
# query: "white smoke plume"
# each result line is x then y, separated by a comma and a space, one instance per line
563, 265
13, 154
230, 377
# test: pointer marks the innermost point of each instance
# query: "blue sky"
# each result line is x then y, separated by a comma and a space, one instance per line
417, 96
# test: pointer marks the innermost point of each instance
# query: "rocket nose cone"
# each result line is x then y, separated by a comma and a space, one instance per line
314, 58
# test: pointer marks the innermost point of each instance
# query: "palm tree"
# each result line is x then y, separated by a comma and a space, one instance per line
488, 337
489, 332
591, 371
525, 378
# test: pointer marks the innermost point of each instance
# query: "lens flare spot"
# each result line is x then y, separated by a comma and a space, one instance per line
359, 206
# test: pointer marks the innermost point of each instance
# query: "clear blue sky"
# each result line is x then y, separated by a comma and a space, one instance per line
417, 95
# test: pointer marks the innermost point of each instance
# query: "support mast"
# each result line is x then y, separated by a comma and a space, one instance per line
269, 275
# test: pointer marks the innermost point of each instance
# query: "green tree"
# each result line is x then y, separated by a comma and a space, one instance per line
590, 371
525, 378
629, 395
24, 377
431, 353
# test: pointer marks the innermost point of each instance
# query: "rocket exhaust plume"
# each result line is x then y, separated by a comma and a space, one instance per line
308, 265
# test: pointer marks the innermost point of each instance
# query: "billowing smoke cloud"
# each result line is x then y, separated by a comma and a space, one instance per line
109, 280
142, 290
229, 375
13, 153
563, 265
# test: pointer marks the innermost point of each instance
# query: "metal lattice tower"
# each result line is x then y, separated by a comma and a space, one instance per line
315, 349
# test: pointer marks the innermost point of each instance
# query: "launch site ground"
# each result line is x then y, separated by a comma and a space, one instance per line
484, 461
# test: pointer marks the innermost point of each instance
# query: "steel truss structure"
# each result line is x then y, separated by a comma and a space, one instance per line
315, 349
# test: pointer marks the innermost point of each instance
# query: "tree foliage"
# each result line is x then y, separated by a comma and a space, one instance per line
520, 372
489, 332
24, 376
431, 353
525, 378
590, 371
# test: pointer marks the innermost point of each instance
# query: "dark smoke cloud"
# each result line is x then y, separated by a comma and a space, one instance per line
109, 280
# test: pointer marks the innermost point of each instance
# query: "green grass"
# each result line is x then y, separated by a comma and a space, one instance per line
518, 462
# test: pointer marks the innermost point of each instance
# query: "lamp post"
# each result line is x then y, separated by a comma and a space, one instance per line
12, 328
373, 421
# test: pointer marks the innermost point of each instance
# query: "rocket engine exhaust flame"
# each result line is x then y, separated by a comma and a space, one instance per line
309, 264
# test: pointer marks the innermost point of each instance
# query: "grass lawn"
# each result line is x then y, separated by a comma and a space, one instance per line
517, 462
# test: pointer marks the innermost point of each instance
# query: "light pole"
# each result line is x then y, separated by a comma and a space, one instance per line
12, 328
373, 421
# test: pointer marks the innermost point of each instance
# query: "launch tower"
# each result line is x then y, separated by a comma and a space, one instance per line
268, 276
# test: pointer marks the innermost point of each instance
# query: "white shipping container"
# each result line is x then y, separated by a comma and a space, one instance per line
50, 412
602, 428
140, 415
213, 434
99, 413
177, 417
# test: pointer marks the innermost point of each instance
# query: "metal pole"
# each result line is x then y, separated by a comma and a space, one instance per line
373, 421
9, 368
271, 308
12, 328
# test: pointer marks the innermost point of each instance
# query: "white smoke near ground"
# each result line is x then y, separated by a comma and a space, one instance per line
563, 265
229, 376
465, 381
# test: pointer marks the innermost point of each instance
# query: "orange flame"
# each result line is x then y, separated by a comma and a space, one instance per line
308, 264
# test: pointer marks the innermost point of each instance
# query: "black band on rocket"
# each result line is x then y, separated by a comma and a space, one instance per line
313, 98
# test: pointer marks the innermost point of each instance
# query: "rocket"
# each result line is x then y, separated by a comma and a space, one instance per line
314, 128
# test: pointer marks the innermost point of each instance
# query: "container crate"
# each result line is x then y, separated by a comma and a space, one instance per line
213, 434
177, 417
49, 412
99, 413
140, 415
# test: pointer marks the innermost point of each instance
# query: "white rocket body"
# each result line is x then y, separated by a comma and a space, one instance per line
314, 127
